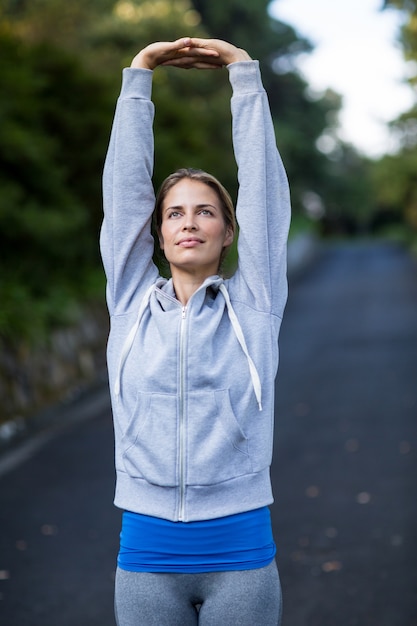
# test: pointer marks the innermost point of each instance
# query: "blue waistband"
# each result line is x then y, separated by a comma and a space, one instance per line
234, 542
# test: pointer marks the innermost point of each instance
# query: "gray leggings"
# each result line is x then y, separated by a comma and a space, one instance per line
237, 598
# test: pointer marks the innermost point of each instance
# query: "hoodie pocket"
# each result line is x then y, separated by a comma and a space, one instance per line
217, 447
150, 441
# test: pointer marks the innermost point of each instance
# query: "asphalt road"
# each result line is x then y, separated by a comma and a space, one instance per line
344, 474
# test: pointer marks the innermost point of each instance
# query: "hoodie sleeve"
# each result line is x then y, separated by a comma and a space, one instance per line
263, 204
126, 242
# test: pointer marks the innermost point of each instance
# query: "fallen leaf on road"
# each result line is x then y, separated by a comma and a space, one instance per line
331, 566
301, 409
405, 447
312, 492
352, 445
397, 541
363, 498
49, 529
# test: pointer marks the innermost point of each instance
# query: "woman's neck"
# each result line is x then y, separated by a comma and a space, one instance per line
185, 284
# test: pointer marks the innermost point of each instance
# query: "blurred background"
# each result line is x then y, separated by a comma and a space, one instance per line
341, 80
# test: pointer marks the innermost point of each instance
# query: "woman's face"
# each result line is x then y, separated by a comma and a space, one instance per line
193, 230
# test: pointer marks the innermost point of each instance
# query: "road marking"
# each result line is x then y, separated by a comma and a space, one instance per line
80, 411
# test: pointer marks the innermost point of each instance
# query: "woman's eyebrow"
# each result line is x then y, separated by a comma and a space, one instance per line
173, 207
202, 205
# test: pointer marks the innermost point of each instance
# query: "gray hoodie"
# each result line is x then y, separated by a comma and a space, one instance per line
193, 387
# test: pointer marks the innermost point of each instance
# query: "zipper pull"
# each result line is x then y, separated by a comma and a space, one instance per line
184, 310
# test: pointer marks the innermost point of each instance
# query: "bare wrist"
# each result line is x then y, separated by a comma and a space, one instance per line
140, 61
240, 55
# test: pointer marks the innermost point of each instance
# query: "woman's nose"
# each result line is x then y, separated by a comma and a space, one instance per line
189, 222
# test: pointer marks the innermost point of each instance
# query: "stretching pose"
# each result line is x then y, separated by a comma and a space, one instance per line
192, 360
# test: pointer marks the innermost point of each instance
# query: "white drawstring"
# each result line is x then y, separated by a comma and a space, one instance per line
256, 381
127, 346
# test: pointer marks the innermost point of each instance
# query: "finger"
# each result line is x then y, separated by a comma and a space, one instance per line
198, 42
206, 66
189, 57
227, 52
183, 42
185, 45
187, 63
197, 52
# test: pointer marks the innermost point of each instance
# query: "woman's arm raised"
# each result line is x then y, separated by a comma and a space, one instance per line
128, 195
126, 241
263, 204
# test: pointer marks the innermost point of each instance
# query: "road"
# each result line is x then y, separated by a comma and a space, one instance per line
344, 472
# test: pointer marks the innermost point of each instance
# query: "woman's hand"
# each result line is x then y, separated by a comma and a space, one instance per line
189, 53
180, 53
227, 52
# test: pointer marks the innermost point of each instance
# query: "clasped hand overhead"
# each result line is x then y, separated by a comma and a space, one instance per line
189, 52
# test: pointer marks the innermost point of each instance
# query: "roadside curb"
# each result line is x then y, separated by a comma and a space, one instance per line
19, 438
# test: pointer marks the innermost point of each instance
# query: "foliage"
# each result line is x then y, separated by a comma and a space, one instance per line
395, 182
395, 178
408, 34
50, 202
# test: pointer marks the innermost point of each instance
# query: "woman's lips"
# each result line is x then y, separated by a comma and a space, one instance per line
189, 242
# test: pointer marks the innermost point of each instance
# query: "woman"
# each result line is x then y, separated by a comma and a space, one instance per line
192, 360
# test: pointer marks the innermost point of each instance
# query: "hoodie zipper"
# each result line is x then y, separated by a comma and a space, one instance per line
181, 512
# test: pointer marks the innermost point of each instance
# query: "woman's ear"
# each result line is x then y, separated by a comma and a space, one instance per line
230, 235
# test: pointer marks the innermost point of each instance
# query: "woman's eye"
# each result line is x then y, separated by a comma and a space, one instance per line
173, 214
205, 212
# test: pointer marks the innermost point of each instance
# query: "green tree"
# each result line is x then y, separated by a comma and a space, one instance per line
408, 32
51, 197
395, 178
